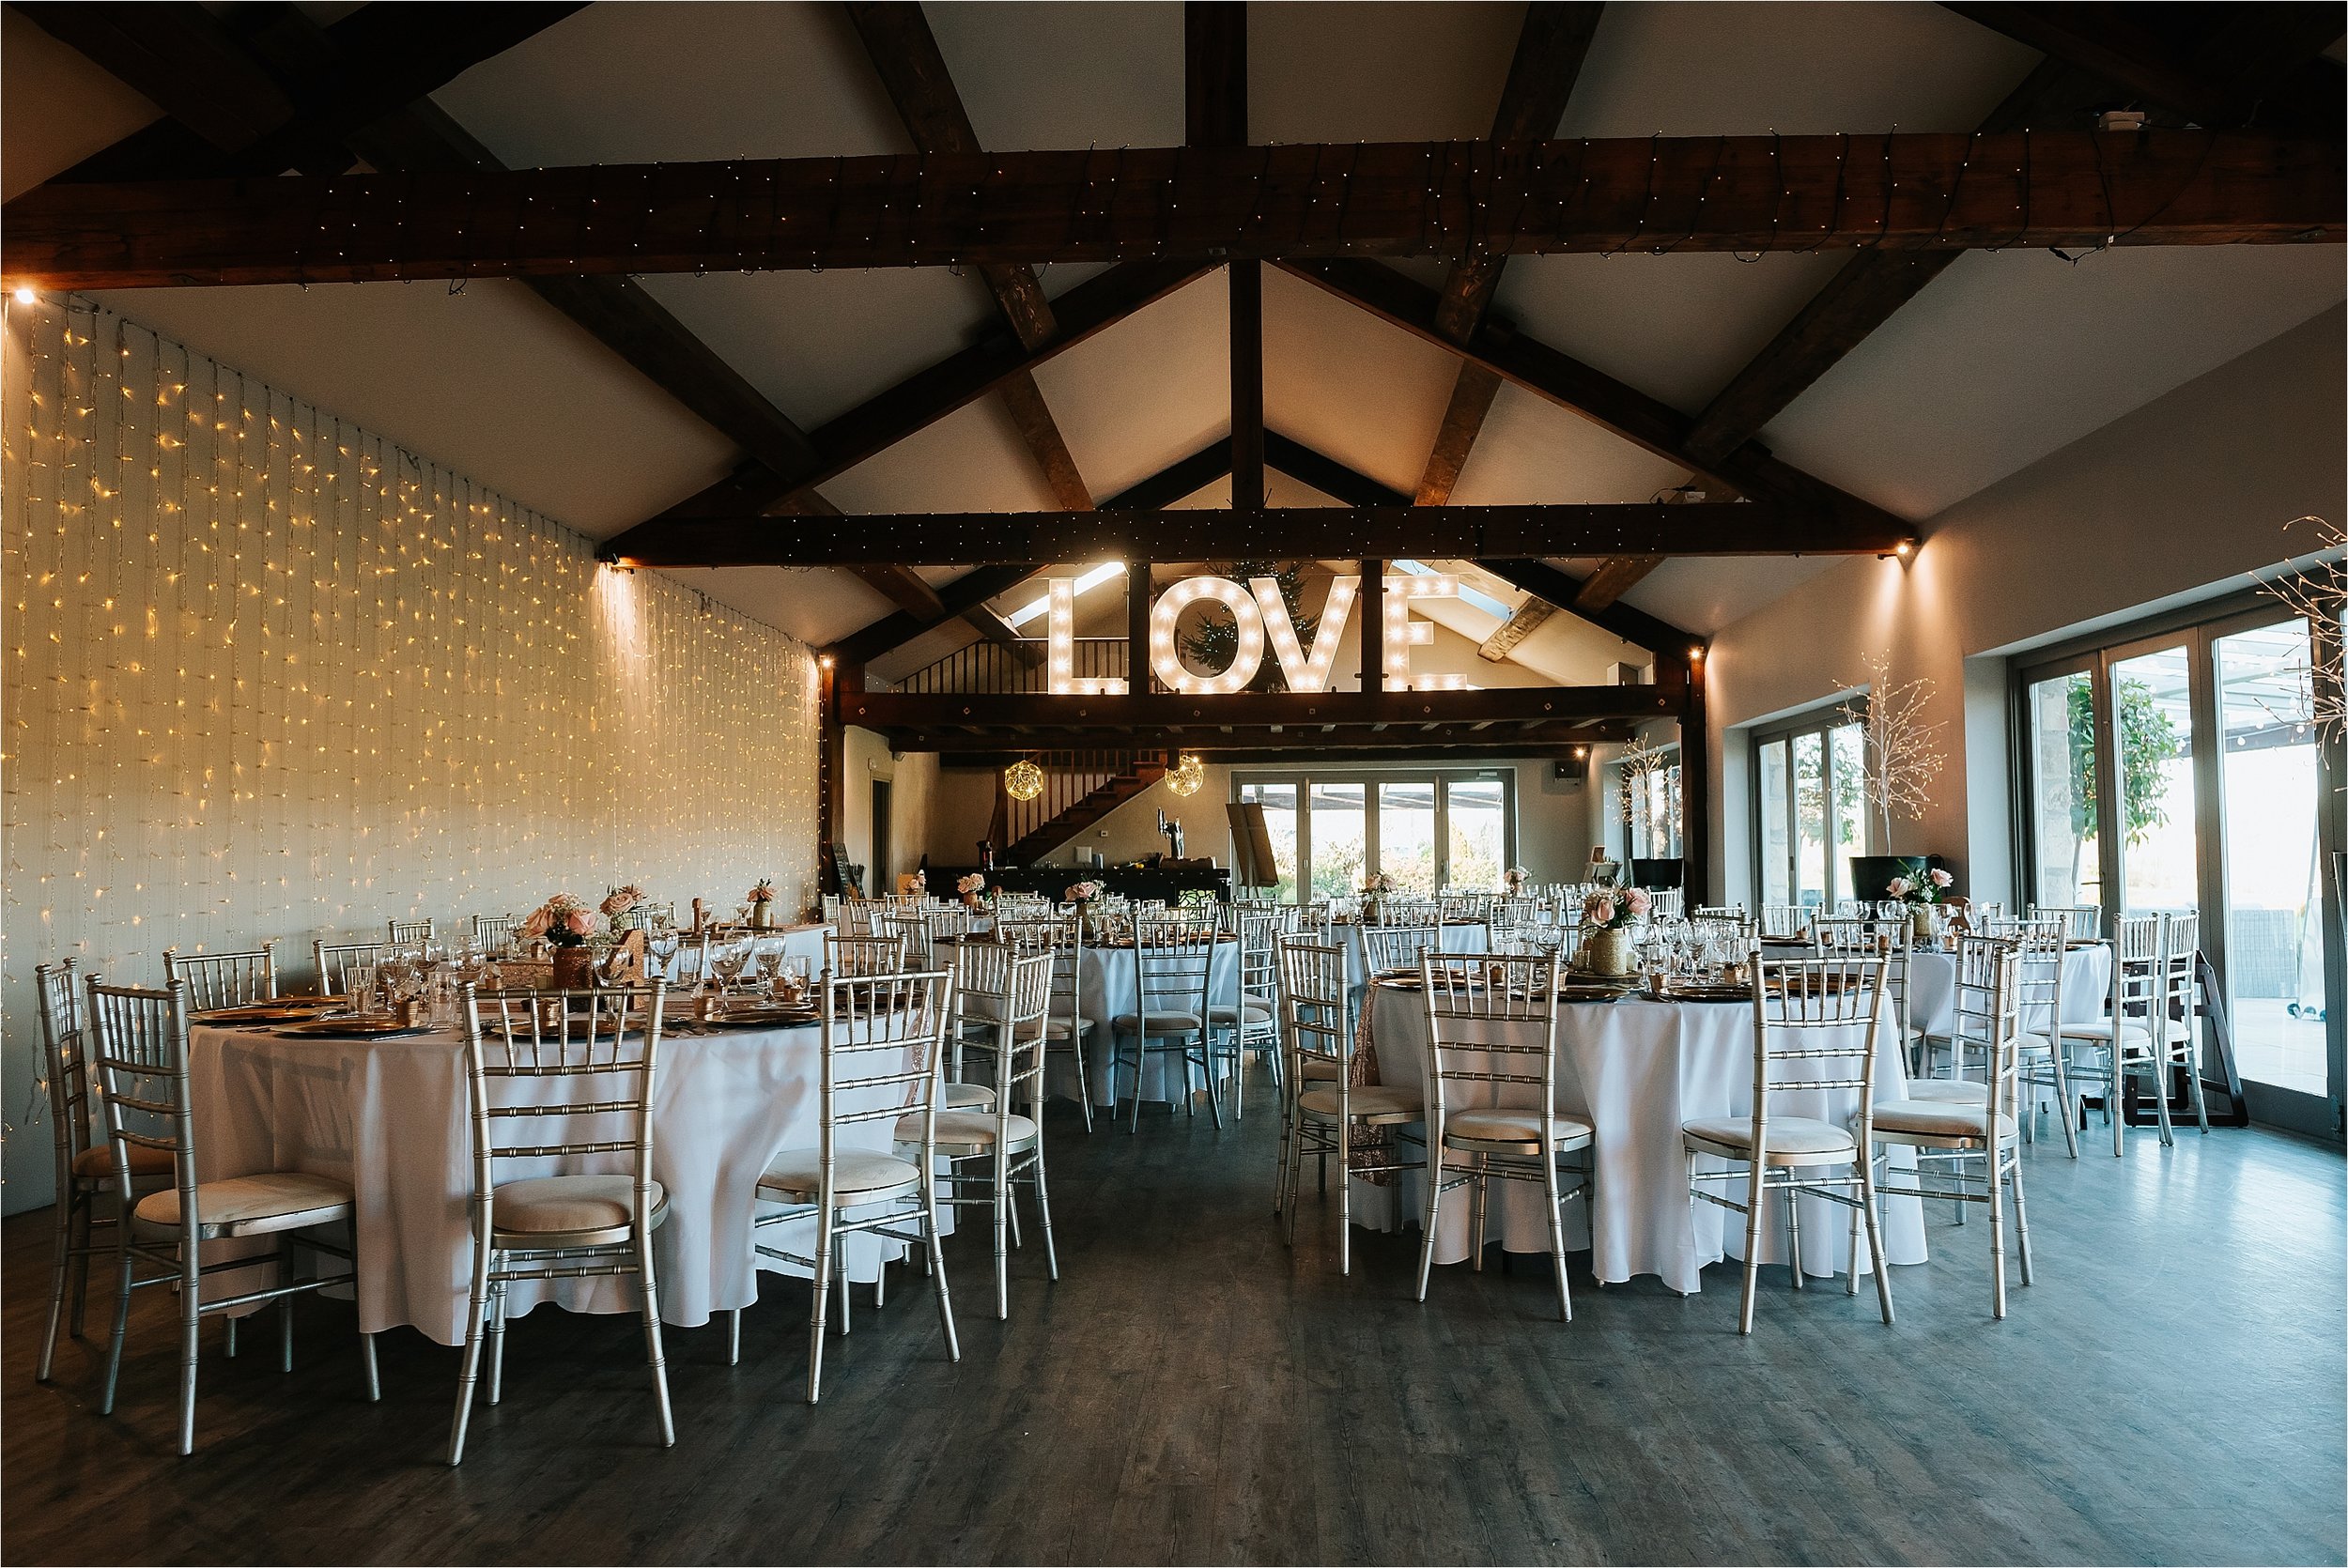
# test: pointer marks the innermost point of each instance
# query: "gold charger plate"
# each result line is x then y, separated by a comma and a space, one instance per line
759, 1017
364, 1027
285, 1009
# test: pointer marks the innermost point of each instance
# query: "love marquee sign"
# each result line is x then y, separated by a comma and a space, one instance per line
1261, 616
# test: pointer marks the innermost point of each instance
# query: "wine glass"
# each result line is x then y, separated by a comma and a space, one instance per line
727, 963
770, 969
663, 945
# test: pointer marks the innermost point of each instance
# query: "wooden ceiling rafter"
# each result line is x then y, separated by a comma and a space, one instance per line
1290, 202
232, 107
1671, 645
1153, 712
2264, 45
1186, 476
1215, 114
904, 54
1283, 533
1551, 49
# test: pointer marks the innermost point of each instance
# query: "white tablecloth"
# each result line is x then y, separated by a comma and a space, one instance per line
1932, 988
388, 1116
1107, 986
1637, 1070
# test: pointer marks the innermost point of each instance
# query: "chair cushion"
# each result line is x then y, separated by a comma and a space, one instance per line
857, 1175
1502, 1126
2100, 1029
1258, 1012
965, 1129
1948, 1091
1059, 1026
967, 1097
554, 1205
98, 1164
1159, 1023
1369, 1099
251, 1205
1937, 1118
1785, 1134
1321, 1068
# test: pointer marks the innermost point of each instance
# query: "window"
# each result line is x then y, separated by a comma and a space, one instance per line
1427, 830
2181, 769
1809, 823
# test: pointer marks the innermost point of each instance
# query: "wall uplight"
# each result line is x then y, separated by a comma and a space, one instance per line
27, 294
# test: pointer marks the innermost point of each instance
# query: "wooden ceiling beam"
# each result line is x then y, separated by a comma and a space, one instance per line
1472, 395
1524, 620
1670, 644
1214, 102
1449, 744
1873, 285
1895, 190
1587, 391
928, 396
1613, 579
1150, 711
1444, 532
904, 53
968, 594
236, 107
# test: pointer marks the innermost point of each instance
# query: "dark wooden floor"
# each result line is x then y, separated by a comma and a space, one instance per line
1192, 1391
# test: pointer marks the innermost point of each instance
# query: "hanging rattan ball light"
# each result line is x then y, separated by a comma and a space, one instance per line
1187, 776
1023, 780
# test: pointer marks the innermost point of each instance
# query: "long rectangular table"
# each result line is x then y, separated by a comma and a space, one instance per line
388, 1116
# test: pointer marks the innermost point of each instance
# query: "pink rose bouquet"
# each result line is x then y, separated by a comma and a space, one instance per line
1606, 907
1081, 892
565, 921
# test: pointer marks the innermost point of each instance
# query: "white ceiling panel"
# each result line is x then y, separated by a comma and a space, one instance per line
1399, 72
1035, 76
56, 107
972, 460
1154, 388
1347, 385
1533, 452
2010, 356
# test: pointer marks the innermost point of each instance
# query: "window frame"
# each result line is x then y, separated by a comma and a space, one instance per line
1442, 779
1819, 721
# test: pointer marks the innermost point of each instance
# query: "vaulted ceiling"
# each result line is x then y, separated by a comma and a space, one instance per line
2008, 357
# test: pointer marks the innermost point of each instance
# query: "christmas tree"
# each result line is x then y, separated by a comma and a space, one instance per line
1214, 641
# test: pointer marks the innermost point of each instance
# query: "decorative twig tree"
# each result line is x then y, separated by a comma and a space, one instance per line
1641, 764
1901, 753
2321, 594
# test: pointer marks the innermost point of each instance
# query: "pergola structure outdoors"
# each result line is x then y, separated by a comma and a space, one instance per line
2244, 147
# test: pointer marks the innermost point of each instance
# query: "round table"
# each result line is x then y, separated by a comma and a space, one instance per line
1932, 988
1637, 1069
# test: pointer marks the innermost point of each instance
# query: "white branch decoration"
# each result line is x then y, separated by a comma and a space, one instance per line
1639, 764
2320, 596
1901, 754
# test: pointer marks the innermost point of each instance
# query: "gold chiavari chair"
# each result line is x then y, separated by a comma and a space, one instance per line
854, 957
84, 1169
884, 1038
223, 979
2041, 947
980, 969
2080, 922
1018, 987
410, 934
494, 930
1065, 1026
1253, 1024
138, 1045
2121, 1040
1391, 949
1966, 1154
915, 930
1172, 962
1782, 919
1324, 1110
1481, 1006
574, 1062
335, 960
1815, 1011
2178, 1035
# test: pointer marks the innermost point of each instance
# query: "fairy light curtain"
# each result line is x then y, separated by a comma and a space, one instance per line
268, 675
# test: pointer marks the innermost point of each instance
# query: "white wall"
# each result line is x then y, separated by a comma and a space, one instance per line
269, 676
2185, 498
912, 777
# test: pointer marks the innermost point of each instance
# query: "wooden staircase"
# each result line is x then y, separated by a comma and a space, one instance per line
1079, 789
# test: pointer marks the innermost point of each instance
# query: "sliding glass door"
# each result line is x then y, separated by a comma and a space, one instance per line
2184, 772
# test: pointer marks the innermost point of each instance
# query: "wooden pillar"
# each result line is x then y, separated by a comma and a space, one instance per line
1372, 608
1246, 386
1695, 792
1137, 627
829, 746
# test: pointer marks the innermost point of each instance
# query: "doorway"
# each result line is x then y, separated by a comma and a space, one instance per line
881, 882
